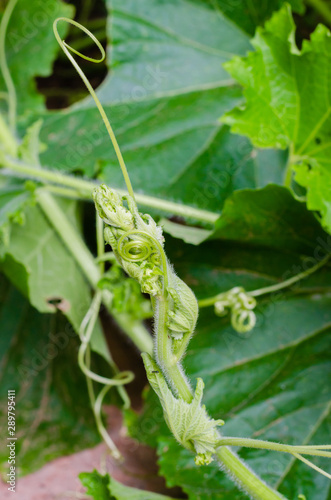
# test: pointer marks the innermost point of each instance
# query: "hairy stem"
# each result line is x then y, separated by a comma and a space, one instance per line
83, 188
246, 478
229, 461
100, 244
171, 370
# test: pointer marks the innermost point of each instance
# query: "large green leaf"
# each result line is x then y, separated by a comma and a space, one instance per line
269, 217
288, 103
249, 14
43, 267
38, 361
269, 384
255, 216
37, 262
187, 157
169, 47
169, 131
31, 49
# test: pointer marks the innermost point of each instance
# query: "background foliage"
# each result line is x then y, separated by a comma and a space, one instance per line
209, 118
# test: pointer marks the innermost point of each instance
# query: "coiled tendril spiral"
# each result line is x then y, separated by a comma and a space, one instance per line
241, 306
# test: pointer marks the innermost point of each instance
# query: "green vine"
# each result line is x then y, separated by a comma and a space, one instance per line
137, 243
75, 187
138, 246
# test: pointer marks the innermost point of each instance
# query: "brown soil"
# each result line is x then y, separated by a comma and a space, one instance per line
58, 479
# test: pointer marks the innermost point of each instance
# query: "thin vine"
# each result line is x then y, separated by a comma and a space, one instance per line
241, 303
67, 49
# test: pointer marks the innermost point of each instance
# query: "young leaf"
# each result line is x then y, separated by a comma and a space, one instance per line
189, 423
280, 84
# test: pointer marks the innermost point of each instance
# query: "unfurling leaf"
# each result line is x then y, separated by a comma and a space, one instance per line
189, 422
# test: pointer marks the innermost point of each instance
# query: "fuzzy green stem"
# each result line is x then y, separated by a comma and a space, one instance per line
172, 371
322, 8
85, 188
250, 483
164, 352
12, 101
67, 232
